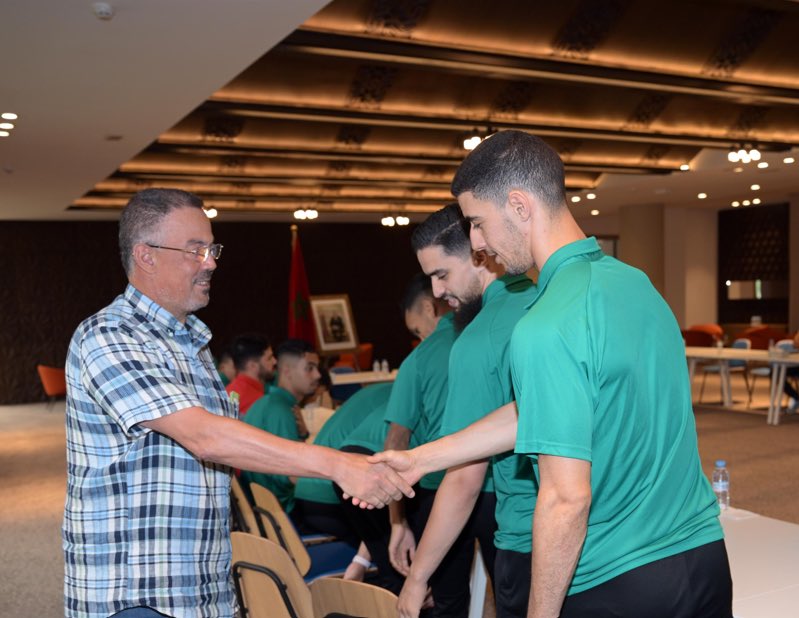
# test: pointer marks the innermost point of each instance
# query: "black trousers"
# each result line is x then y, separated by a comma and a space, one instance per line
450, 582
321, 518
512, 584
693, 584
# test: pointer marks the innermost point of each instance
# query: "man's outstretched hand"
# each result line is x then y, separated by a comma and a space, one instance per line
370, 484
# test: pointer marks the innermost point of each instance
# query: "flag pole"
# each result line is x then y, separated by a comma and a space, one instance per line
293, 235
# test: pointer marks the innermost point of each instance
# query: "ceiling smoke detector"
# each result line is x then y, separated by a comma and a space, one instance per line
103, 10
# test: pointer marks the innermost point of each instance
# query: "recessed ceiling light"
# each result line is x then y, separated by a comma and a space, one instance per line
763, 165
735, 204
756, 200
6, 125
746, 202
701, 196
594, 212
575, 198
590, 196
755, 187
8, 116
788, 160
210, 212
300, 214
685, 167
4, 133
738, 170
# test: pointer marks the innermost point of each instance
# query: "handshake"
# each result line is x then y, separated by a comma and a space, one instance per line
374, 481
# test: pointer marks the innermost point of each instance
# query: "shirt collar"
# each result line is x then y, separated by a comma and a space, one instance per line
253, 382
281, 393
563, 255
446, 321
498, 285
164, 320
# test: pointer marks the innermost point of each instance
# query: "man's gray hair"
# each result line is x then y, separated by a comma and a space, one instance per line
143, 214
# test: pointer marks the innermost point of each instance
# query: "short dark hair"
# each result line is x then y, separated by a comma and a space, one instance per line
512, 160
419, 286
142, 215
250, 346
296, 348
445, 228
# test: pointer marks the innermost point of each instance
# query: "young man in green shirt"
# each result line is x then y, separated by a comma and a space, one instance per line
278, 412
487, 304
625, 522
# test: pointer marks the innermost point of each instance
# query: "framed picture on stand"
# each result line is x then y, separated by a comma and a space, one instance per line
334, 324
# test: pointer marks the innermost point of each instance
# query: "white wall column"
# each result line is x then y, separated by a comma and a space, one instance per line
793, 263
641, 240
691, 264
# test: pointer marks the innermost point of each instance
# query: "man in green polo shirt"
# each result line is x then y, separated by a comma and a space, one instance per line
479, 382
278, 413
625, 522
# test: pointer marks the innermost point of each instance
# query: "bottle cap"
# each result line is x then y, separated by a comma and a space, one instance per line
721, 463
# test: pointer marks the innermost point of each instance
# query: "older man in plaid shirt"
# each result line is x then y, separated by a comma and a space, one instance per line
151, 435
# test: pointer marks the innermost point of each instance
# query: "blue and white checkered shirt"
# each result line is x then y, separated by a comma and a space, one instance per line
146, 522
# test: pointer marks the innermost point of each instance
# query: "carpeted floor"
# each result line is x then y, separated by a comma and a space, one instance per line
763, 461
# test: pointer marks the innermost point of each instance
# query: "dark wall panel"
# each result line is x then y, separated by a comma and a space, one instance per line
53, 275
753, 244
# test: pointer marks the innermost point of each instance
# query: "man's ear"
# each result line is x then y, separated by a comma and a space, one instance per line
520, 205
144, 257
427, 306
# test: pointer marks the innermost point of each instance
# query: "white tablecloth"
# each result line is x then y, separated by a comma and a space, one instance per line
764, 559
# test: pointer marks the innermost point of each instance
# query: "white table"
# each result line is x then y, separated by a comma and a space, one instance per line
362, 377
779, 369
764, 560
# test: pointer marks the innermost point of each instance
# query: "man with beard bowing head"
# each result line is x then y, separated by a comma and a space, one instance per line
491, 499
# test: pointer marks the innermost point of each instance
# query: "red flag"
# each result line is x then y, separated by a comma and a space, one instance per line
300, 322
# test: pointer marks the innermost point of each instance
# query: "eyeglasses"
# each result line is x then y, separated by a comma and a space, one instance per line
202, 253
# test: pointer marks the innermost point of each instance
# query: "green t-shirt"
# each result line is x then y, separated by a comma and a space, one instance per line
274, 413
335, 432
420, 390
479, 383
600, 374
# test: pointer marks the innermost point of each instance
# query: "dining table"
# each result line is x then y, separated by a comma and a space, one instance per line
778, 360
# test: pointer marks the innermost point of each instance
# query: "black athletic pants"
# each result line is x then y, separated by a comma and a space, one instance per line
450, 582
693, 584
512, 583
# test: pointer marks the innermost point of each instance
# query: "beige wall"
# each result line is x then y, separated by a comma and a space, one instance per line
641, 240
793, 264
691, 264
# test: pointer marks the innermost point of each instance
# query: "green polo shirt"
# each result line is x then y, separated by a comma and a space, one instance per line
479, 383
420, 390
599, 371
335, 432
273, 413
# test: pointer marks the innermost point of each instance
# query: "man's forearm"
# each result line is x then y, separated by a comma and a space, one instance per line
559, 528
239, 445
454, 502
491, 435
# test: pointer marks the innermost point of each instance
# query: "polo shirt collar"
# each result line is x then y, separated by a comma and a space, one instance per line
165, 321
446, 321
498, 285
565, 254
281, 393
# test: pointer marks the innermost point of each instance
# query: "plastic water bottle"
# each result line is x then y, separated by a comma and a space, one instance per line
376, 366
384, 366
721, 484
